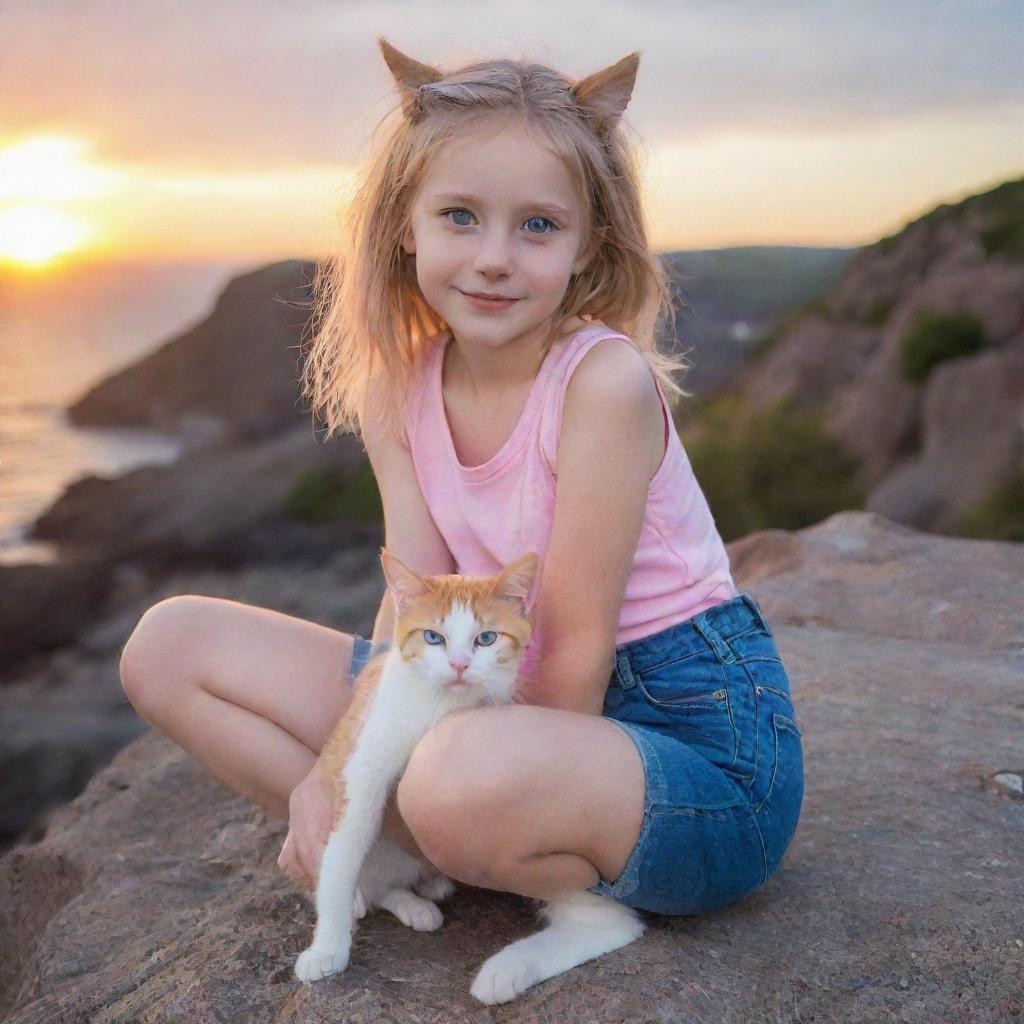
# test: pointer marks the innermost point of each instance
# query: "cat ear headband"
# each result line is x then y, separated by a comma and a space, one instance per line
602, 96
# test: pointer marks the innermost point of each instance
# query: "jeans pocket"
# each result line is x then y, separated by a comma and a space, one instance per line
688, 699
770, 754
754, 645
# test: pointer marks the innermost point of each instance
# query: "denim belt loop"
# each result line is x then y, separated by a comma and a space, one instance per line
755, 609
718, 643
624, 671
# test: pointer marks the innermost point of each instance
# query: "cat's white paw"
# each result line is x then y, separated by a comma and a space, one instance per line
314, 964
413, 911
503, 977
436, 887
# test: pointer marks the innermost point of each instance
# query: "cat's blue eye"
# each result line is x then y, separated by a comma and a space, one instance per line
486, 638
432, 637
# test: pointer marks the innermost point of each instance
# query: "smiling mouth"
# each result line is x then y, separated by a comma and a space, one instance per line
499, 301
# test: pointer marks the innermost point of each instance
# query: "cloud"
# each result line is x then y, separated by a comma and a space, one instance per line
244, 84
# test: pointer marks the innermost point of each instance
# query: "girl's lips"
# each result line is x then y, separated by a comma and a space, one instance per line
487, 303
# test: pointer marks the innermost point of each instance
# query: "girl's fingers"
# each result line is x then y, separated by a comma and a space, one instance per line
287, 854
288, 861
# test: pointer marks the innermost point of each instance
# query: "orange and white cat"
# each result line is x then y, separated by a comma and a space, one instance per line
458, 642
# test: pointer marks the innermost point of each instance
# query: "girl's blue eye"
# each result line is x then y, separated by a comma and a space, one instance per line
432, 637
486, 638
546, 221
460, 225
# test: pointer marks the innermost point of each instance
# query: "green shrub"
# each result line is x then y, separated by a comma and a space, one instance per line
327, 493
935, 337
775, 469
878, 314
1005, 239
1001, 515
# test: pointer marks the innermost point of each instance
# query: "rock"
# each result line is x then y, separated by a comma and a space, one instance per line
43, 604
192, 383
155, 895
927, 451
65, 714
205, 505
219, 505
973, 433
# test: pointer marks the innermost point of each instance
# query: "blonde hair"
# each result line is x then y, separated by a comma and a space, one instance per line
370, 323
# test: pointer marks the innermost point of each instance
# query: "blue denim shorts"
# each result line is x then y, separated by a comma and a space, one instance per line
362, 651
707, 704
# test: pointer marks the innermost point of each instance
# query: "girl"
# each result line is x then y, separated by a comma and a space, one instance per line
490, 333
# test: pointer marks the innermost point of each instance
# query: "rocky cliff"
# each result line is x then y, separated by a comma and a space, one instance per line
917, 355
231, 376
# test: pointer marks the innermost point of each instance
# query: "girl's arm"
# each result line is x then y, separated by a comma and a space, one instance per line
611, 442
409, 529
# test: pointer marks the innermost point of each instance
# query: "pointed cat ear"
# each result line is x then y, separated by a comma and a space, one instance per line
517, 578
409, 74
605, 93
403, 583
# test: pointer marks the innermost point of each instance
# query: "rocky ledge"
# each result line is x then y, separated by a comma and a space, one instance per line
155, 895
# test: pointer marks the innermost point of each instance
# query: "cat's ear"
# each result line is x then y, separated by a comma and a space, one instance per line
403, 583
408, 74
516, 579
605, 94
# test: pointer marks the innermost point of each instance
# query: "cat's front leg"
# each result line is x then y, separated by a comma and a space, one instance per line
580, 927
337, 883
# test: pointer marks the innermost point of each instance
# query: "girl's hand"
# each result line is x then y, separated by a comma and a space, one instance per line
310, 820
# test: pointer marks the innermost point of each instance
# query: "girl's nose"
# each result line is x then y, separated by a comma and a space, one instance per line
493, 255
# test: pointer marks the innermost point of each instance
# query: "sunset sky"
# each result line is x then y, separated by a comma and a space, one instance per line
229, 130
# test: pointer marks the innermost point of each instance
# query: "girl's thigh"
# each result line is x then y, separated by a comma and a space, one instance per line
286, 669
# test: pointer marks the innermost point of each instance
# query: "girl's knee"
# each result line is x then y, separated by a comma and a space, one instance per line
155, 659
449, 808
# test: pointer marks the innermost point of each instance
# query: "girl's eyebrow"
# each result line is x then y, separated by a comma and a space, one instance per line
546, 205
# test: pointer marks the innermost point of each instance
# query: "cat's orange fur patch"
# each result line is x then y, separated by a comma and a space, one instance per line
345, 735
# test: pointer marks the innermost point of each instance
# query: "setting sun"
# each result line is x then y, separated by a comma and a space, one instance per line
39, 177
35, 234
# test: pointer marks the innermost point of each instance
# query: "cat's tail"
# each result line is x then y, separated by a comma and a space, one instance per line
580, 926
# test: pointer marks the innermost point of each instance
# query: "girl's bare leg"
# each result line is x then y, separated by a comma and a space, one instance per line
549, 835
250, 693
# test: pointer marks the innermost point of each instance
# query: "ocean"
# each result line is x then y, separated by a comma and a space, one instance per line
61, 332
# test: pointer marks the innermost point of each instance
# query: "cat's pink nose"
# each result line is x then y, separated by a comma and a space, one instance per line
460, 664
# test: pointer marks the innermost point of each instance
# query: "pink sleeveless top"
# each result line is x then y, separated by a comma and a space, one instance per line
491, 514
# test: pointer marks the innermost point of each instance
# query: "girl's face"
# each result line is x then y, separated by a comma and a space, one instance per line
496, 213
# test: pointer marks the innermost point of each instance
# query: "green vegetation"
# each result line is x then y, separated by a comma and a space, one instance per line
1003, 211
775, 469
935, 337
878, 314
327, 493
1001, 515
